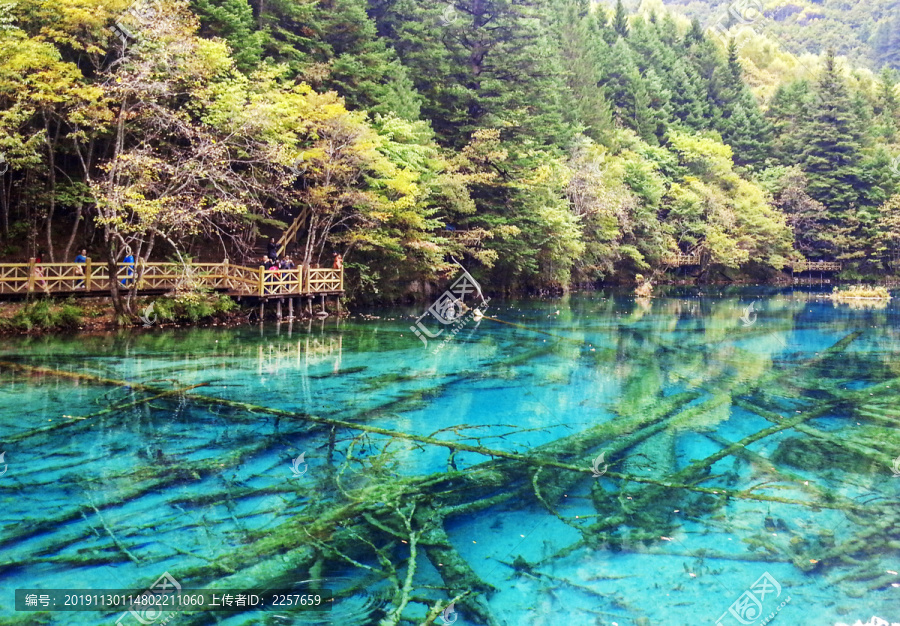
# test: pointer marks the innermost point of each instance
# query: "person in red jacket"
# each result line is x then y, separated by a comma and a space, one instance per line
38, 270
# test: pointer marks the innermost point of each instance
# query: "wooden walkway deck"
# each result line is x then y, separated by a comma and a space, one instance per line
236, 280
816, 266
473, 238
681, 260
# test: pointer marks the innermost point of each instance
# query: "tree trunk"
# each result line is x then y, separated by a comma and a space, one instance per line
51, 162
74, 232
111, 264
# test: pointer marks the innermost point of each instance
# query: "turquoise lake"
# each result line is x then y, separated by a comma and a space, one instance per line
708, 456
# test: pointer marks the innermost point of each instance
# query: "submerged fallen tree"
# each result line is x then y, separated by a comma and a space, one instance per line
380, 522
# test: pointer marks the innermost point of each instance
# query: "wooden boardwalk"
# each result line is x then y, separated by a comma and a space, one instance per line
236, 280
682, 260
473, 238
816, 266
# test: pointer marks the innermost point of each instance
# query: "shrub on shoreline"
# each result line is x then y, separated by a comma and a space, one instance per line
49, 315
192, 307
44, 314
860, 292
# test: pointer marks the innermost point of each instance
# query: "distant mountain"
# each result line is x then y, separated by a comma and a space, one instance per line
866, 31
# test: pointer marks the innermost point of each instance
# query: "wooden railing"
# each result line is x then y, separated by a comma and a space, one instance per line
679, 260
472, 238
235, 279
240, 279
321, 280
288, 235
816, 266
280, 282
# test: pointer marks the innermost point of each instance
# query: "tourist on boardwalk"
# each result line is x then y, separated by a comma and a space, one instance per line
273, 249
273, 275
338, 261
81, 259
129, 264
38, 270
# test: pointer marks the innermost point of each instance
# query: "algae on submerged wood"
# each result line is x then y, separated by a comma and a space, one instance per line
376, 520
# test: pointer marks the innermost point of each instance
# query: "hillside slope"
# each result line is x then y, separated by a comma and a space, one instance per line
866, 31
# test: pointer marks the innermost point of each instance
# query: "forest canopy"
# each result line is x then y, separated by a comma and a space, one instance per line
546, 142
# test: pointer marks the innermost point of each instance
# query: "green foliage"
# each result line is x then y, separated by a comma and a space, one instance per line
574, 144
44, 314
233, 21
832, 140
192, 307
620, 20
488, 64
865, 31
334, 45
581, 51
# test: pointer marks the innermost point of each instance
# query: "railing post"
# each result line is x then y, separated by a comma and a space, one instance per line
87, 274
262, 278
31, 274
225, 272
342, 277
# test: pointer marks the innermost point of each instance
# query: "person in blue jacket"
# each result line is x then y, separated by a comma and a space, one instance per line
81, 259
129, 263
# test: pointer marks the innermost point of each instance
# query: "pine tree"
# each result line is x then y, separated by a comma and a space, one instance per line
579, 43
639, 94
678, 76
688, 100
486, 64
833, 143
886, 40
607, 32
330, 45
888, 106
667, 30
233, 21
788, 113
707, 63
695, 35
660, 109
620, 20
742, 123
